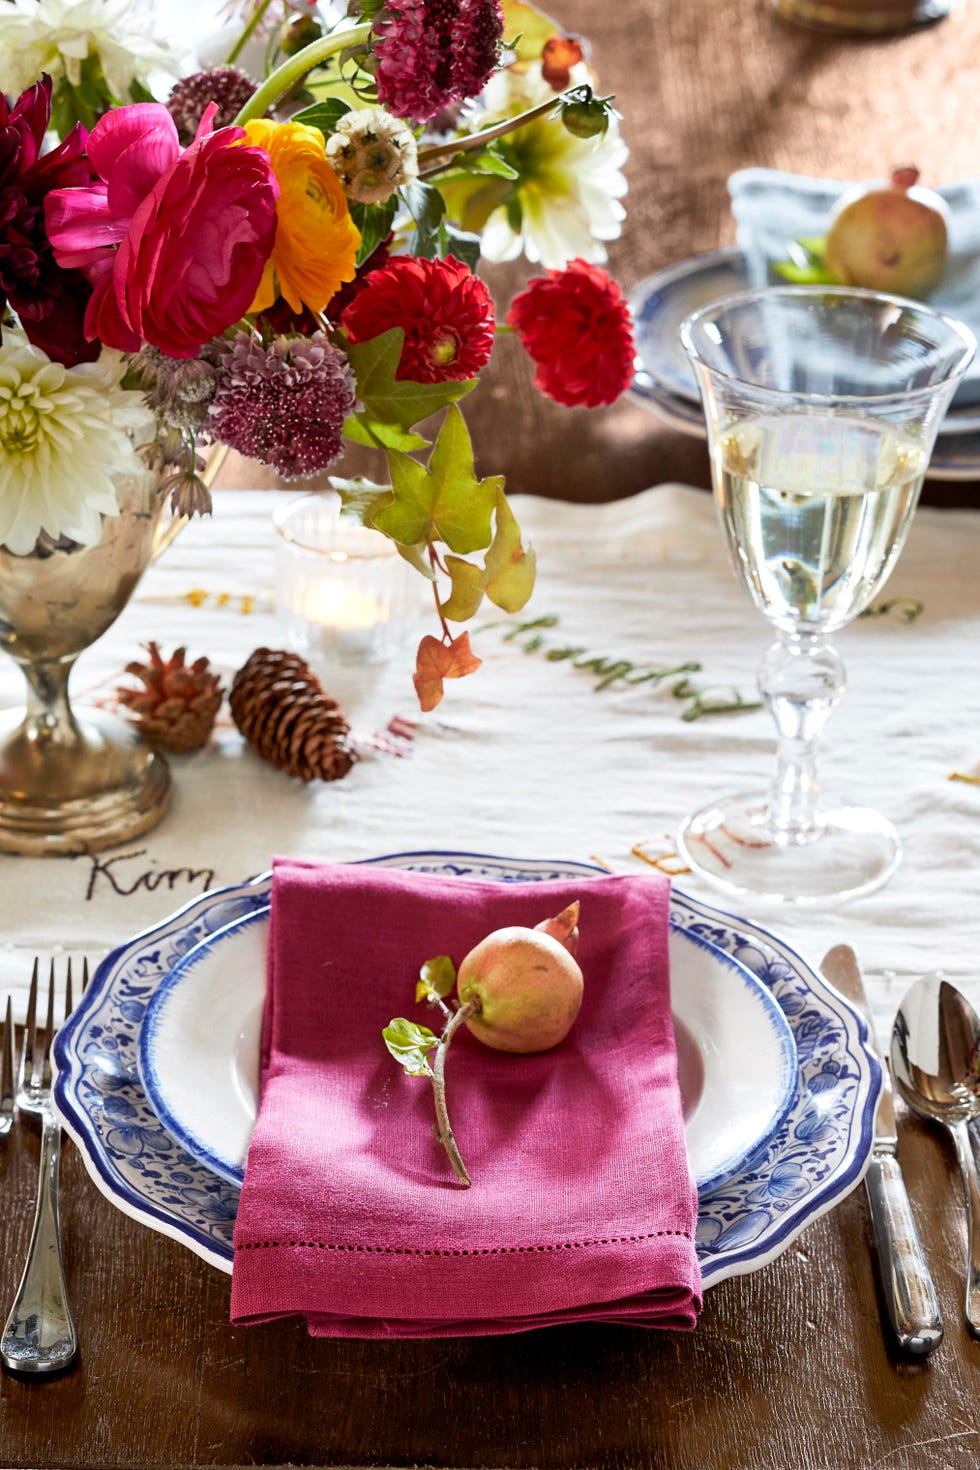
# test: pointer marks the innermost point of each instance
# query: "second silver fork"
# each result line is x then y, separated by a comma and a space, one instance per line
40, 1334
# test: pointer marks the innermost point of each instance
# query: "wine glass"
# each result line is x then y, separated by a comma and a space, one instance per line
822, 405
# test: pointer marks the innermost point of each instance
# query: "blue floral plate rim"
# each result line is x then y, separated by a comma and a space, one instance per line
819, 1153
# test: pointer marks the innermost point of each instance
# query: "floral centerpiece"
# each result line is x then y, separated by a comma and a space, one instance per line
287, 263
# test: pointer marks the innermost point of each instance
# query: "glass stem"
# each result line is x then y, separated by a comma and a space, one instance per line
801, 681
49, 720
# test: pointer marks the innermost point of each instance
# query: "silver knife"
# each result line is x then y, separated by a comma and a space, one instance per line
910, 1297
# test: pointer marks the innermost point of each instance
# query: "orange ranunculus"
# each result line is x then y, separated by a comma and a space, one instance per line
316, 239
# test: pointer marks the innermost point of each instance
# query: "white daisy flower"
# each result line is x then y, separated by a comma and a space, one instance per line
569, 188
57, 36
67, 438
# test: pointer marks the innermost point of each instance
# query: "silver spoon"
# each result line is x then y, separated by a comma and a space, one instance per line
935, 1056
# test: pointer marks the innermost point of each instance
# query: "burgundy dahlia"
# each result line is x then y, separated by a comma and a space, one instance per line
431, 53
50, 301
226, 86
284, 404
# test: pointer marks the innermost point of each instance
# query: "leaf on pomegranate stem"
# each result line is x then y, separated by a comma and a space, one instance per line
436, 977
410, 1045
438, 661
510, 565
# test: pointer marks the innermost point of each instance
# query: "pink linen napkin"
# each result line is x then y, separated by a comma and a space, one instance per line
582, 1205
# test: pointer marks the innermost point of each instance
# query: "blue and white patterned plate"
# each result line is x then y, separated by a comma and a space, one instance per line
815, 1157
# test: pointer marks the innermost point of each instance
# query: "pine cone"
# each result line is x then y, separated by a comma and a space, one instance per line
177, 705
283, 711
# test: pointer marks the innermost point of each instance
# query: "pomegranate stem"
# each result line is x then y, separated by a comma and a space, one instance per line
444, 1128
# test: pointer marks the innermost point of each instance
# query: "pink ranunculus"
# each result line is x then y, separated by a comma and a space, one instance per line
173, 241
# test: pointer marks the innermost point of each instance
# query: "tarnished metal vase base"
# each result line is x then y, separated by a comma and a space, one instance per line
96, 788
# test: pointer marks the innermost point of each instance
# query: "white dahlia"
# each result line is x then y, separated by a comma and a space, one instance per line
568, 190
57, 36
67, 437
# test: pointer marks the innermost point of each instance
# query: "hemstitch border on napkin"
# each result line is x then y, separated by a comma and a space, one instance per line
495, 1250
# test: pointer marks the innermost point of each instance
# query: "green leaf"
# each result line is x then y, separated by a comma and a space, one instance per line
415, 556
461, 243
438, 975
469, 581
361, 498
323, 115
510, 565
444, 502
374, 222
410, 1045
427, 207
362, 429
389, 399
807, 264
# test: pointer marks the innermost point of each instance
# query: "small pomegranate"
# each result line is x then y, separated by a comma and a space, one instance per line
527, 985
890, 237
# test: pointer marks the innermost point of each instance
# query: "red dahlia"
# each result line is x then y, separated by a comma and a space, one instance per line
444, 310
49, 301
576, 326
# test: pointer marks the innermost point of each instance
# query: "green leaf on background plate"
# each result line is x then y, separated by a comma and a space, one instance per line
446, 501
410, 1045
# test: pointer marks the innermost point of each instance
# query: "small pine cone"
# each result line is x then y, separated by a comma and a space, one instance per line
284, 712
176, 706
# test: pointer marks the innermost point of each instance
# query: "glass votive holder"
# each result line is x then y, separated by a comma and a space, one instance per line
343, 593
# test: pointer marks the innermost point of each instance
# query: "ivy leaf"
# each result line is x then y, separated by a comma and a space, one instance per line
374, 222
469, 581
510, 565
438, 661
436, 977
427, 207
444, 502
410, 1045
360, 499
388, 399
323, 115
360, 428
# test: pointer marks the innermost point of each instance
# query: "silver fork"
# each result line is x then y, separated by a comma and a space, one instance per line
40, 1334
7, 1069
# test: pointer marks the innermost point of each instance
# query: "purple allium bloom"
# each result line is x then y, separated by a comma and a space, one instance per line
284, 404
225, 85
431, 53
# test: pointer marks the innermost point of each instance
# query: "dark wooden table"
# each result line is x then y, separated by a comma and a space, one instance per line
788, 1367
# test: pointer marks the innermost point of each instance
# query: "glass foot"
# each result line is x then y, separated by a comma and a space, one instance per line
853, 851
88, 785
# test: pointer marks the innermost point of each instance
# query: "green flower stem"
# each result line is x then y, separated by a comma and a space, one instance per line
444, 1128
247, 33
445, 152
295, 68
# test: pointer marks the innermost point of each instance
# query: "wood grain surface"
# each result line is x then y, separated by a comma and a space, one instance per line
788, 1367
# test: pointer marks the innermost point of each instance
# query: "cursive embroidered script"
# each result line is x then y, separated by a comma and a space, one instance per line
104, 874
